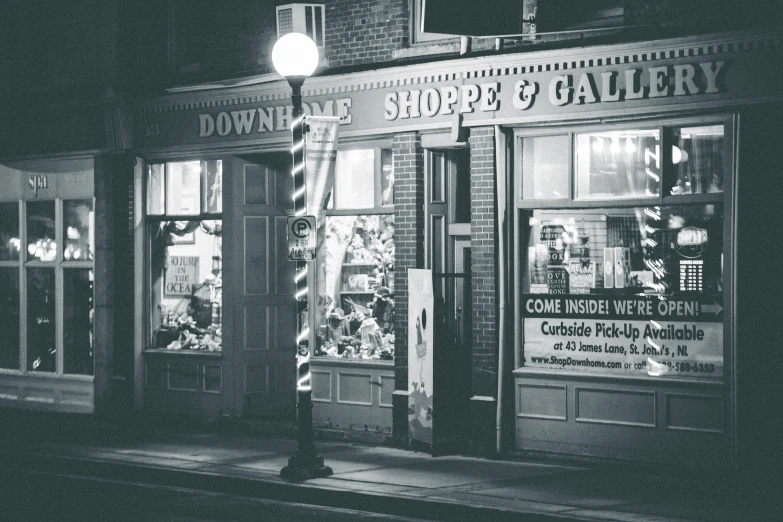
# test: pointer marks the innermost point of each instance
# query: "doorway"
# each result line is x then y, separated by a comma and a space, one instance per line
449, 256
264, 308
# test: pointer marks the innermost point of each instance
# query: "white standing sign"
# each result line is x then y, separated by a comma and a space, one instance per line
420, 326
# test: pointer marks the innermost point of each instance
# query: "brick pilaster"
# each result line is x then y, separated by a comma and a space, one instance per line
484, 260
409, 248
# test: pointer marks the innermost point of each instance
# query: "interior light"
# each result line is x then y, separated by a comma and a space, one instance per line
614, 148
679, 155
630, 148
598, 144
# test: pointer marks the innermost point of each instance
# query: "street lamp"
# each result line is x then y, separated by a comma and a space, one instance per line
295, 57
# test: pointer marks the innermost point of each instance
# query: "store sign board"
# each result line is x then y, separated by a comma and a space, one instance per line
580, 88
567, 87
420, 358
268, 119
182, 274
301, 238
624, 335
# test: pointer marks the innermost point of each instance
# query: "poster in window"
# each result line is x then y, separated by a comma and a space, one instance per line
624, 334
181, 275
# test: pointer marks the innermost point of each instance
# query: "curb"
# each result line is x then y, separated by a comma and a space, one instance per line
266, 488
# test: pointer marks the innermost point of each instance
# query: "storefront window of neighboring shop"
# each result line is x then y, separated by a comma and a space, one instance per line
355, 261
621, 236
52, 247
184, 232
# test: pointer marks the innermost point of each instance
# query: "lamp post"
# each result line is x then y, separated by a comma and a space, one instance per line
295, 57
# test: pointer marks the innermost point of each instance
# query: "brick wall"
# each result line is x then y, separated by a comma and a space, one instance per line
484, 264
408, 238
364, 31
239, 38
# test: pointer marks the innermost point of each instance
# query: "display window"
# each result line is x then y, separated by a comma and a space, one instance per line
356, 259
185, 249
46, 266
622, 236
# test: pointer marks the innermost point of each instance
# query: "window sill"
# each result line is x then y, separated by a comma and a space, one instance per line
426, 50
7, 372
184, 353
451, 46
320, 360
542, 373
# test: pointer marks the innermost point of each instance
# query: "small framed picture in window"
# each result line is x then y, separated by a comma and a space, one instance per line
185, 239
358, 283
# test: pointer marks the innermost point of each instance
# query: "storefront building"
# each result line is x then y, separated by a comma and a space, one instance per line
578, 208
47, 272
60, 349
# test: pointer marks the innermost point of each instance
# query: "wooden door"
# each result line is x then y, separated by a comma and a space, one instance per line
264, 309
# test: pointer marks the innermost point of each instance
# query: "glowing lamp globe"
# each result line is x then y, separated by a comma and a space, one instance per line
295, 54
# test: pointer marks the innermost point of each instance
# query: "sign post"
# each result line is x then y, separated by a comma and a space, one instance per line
295, 57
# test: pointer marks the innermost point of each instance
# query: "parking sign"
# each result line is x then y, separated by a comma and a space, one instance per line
301, 238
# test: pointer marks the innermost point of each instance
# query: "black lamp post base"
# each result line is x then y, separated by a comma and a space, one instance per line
303, 469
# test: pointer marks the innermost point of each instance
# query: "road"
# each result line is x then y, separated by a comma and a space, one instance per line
33, 496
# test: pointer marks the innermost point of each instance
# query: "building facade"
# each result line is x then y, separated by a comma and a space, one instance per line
596, 213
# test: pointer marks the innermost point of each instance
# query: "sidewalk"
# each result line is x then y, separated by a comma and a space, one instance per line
378, 479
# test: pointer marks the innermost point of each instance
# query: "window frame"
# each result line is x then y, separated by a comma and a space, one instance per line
419, 37
663, 126
148, 219
378, 206
300, 9
59, 265
724, 198
449, 227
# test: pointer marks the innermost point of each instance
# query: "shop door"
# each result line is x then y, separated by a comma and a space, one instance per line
452, 352
264, 308
448, 254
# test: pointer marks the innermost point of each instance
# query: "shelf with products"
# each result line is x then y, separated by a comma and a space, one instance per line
664, 251
187, 298
357, 265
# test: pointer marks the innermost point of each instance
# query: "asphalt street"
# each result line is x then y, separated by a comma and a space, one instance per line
29, 496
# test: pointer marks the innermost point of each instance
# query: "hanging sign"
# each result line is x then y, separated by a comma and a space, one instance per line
420, 325
320, 153
301, 238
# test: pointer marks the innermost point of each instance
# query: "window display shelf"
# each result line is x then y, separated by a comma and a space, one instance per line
187, 353
350, 361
